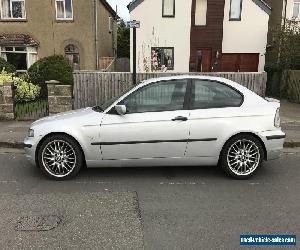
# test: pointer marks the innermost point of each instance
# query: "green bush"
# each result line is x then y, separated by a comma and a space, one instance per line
51, 68
24, 91
6, 66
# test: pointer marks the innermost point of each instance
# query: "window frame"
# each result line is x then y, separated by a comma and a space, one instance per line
200, 25
296, 2
216, 81
163, 7
11, 14
173, 56
64, 18
241, 8
14, 51
75, 52
110, 24
186, 99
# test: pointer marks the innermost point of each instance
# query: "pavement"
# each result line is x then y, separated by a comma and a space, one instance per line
148, 208
12, 133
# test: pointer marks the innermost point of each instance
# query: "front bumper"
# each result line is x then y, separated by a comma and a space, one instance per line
30, 144
273, 141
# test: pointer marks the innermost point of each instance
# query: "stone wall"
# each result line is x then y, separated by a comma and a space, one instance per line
6, 102
59, 97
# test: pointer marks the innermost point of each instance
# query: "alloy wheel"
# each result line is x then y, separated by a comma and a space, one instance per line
243, 157
59, 158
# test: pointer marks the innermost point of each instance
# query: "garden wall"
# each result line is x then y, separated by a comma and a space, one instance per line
6, 102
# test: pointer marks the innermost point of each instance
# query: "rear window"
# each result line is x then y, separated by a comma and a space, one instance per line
212, 94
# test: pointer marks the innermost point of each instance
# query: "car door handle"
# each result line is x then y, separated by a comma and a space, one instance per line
180, 118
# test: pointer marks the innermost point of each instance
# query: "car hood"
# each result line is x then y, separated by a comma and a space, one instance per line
75, 116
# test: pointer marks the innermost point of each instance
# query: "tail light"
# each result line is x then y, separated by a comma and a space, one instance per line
277, 118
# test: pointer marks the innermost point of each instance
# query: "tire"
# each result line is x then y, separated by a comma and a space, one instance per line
60, 164
242, 156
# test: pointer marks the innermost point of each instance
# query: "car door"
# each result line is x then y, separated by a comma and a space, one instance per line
213, 108
155, 125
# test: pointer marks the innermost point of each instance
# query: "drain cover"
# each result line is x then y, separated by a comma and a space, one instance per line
37, 223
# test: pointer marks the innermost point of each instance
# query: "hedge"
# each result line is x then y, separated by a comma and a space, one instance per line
51, 68
9, 68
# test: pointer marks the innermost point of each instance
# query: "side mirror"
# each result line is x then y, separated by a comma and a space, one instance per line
121, 109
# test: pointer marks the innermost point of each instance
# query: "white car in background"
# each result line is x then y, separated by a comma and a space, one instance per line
171, 121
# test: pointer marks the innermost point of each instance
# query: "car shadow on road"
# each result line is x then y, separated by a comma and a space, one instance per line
167, 173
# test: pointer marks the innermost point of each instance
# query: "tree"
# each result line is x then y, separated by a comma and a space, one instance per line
123, 40
285, 49
284, 55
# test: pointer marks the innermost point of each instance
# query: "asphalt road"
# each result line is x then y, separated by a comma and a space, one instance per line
150, 208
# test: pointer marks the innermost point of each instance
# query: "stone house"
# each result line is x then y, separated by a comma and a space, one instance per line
84, 31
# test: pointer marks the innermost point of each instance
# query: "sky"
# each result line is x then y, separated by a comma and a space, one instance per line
122, 9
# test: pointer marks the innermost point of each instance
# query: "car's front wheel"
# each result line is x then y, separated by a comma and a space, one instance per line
60, 157
242, 156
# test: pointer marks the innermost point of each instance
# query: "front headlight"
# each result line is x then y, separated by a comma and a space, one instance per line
30, 133
277, 119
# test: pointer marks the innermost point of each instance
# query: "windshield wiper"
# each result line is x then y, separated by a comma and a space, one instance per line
98, 108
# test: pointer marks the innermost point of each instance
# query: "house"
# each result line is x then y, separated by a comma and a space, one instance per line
201, 35
83, 31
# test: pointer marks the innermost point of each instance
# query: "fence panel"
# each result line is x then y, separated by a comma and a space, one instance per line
95, 87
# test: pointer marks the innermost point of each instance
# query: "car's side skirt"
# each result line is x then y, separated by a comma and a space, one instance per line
154, 162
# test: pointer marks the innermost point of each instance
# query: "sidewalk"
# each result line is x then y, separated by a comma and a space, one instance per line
12, 133
290, 123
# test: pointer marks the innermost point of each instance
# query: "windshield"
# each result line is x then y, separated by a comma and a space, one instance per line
108, 103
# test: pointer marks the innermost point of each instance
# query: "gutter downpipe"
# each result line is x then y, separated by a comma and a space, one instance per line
96, 34
285, 9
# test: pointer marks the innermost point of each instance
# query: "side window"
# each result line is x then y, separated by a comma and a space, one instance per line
64, 9
168, 8
235, 12
157, 97
210, 94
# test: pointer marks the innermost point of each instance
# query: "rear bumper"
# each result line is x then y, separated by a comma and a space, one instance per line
273, 141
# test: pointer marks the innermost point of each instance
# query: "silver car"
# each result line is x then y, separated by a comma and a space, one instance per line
173, 121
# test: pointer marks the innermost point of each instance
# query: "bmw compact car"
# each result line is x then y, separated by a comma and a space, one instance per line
170, 121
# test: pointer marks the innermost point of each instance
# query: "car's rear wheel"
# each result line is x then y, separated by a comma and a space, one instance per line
60, 157
242, 156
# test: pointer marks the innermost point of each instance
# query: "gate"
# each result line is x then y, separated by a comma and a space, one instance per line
34, 110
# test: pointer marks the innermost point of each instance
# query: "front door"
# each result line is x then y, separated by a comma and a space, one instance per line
155, 125
203, 62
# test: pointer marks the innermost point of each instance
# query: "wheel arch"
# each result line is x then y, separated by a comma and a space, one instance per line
252, 134
57, 133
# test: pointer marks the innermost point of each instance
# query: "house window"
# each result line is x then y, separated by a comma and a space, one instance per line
162, 58
13, 9
64, 9
72, 54
296, 10
235, 10
200, 12
168, 8
21, 57
110, 24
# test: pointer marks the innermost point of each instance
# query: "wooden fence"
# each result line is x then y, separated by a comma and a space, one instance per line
94, 88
